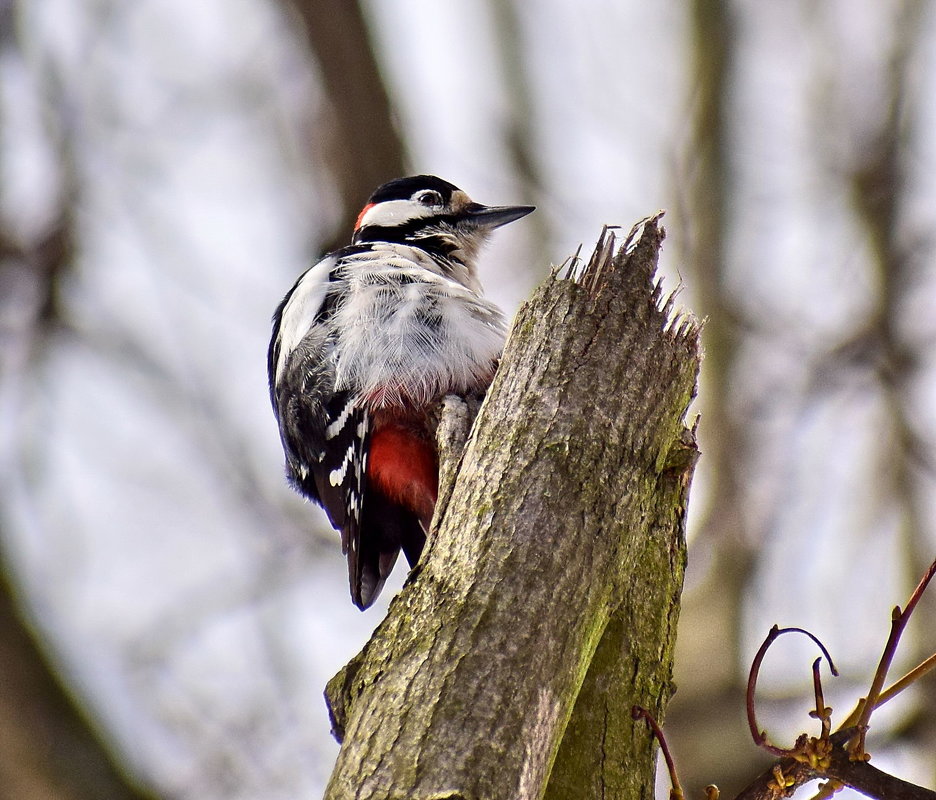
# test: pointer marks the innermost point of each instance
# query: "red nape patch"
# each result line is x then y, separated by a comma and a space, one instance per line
360, 217
404, 467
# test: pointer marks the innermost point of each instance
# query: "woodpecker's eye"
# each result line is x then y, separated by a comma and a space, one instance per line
429, 198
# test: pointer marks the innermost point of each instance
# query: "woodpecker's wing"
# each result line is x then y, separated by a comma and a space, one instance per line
326, 433
301, 373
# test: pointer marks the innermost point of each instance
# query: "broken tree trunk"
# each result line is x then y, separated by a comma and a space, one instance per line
545, 604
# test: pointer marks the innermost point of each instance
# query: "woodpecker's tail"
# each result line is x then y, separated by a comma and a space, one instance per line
386, 528
401, 488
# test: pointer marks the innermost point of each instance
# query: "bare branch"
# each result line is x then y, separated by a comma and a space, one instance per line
783, 777
759, 736
676, 792
840, 758
363, 147
899, 620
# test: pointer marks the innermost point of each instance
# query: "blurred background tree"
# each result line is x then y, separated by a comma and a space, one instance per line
168, 169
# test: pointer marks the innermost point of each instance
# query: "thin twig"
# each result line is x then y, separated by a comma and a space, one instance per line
822, 712
899, 620
911, 677
894, 689
827, 789
760, 737
676, 792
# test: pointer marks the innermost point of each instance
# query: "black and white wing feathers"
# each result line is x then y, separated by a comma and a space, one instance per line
301, 373
325, 433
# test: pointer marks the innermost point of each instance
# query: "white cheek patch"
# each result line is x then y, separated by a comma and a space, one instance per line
391, 213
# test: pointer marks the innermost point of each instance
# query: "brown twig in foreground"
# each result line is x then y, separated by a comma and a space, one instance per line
907, 680
899, 620
759, 736
676, 792
859, 775
839, 758
822, 712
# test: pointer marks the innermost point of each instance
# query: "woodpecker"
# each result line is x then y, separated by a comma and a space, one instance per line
365, 343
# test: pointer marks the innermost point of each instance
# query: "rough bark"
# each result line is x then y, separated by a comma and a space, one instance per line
545, 605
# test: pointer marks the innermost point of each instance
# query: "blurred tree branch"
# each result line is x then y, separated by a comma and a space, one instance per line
519, 125
883, 352
546, 603
48, 749
709, 704
880, 190
881, 182
363, 149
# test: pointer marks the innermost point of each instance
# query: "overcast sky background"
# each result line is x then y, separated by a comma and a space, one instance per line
200, 605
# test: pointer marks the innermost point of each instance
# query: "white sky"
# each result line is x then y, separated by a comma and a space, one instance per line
202, 606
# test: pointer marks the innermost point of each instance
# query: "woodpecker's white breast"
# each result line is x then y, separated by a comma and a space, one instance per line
407, 333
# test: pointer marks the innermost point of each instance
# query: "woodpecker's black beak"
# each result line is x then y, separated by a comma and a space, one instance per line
494, 216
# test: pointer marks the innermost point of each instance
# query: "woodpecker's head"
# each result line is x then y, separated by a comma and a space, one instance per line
427, 212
